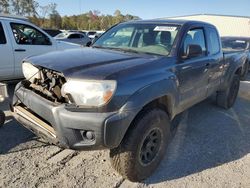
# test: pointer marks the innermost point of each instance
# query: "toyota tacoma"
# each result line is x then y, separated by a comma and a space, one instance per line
126, 92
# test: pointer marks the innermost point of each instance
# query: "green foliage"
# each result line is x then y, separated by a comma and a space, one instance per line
19, 7
4, 6
48, 17
94, 20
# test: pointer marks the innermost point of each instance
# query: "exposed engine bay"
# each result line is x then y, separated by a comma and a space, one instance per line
48, 85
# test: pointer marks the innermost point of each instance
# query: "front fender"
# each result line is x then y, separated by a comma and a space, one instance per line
166, 87
149, 93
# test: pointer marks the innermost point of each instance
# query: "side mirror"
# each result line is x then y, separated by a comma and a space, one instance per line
88, 44
193, 50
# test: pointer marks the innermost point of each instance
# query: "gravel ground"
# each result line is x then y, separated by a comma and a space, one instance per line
211, 149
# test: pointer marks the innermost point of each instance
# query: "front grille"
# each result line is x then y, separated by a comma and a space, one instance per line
49, 86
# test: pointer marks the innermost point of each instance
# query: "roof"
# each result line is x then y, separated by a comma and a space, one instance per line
168, 21
13, 17
210, 15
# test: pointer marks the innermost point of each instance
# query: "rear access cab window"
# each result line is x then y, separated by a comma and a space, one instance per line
213, 41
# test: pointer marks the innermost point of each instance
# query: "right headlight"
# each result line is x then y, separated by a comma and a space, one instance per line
30, 72
90, 92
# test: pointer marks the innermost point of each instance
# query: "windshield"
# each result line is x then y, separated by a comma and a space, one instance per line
141, 38
234, 44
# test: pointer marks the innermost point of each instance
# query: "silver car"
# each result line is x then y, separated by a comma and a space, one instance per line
73, 37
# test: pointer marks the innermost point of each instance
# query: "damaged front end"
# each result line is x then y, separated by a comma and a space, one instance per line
34, 100
46, 83
45, 104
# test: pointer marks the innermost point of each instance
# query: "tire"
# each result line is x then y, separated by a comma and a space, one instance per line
244, 73
226, 98
2, 118
143, 147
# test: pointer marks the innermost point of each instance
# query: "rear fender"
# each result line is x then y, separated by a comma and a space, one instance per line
233, 65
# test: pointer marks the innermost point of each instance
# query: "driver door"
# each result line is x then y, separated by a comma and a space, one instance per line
192, 73
28, 41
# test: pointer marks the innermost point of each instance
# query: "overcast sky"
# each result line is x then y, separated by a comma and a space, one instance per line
147, 9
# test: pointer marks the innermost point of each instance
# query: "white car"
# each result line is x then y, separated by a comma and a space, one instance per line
91, 34
20, 39
73, 37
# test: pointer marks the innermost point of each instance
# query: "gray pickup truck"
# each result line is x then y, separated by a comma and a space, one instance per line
126, 92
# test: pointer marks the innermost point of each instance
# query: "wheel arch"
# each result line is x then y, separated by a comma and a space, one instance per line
163, 103
162, 94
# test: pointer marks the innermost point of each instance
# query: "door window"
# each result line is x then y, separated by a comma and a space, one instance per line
27, 35
213, 41
2, 35
195, 36
75, 36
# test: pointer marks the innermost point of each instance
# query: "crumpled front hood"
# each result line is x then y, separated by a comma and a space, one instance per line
90, 63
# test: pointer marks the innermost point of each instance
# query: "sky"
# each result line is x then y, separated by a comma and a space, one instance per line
147, 9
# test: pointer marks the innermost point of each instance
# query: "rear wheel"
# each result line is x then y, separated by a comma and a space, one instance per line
2, 118
143, 147
226, 98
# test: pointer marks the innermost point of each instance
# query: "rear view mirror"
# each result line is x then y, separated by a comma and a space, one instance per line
193, 50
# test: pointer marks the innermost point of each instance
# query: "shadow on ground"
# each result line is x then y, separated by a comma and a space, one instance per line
207, 137
11, 134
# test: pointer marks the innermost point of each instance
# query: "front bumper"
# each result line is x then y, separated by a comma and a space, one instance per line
66, 128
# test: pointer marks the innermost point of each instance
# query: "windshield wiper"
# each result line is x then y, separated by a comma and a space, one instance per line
99, 47
127, 50
118, 49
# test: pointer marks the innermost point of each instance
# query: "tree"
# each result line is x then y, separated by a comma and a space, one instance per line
54, 17
66, 23
117, 13
24, 7
118, 17
4, 6
50, 18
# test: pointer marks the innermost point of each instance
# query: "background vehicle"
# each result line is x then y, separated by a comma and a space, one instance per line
127, 91
73, 37
238, 44
91, 34
99, 33
20, 39
52, 32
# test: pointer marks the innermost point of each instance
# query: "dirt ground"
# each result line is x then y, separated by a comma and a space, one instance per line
211, 149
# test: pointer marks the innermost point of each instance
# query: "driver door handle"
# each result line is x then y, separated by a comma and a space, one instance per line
20, 50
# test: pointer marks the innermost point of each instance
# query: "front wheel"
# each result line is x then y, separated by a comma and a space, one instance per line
143, 147
226, 98
2, 118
